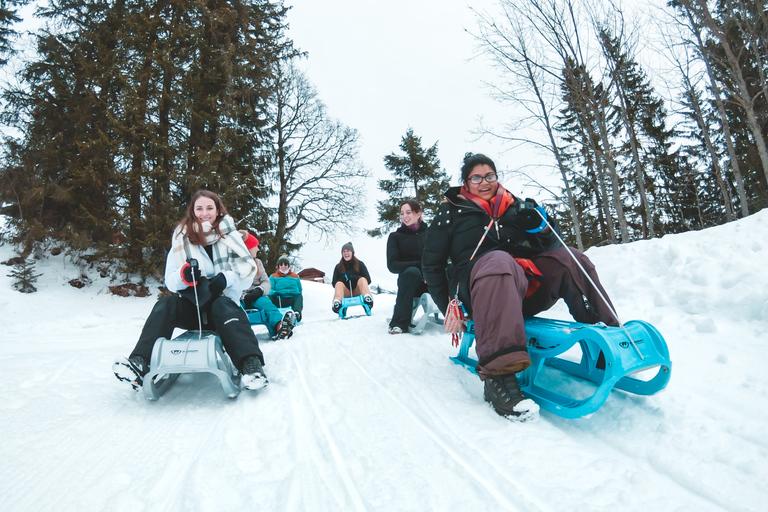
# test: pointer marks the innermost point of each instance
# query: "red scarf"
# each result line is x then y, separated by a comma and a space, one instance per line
496, 207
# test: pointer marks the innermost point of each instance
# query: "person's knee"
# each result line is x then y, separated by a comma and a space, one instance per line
497, 263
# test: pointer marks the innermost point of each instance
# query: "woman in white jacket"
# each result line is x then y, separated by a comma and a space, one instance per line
208, 267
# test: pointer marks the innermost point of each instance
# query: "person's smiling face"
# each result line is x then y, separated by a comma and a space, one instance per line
205, 210
488, 185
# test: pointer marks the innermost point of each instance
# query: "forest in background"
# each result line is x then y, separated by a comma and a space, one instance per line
126, 108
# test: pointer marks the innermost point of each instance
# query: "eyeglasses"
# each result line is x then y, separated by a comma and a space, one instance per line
476, 180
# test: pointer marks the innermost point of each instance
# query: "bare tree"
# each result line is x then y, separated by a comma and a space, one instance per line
737, 84
695, 29
555, 25
509, 48
319, 176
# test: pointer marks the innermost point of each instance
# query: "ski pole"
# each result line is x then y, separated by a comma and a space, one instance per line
605, 301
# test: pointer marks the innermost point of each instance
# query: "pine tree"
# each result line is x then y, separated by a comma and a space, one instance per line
132, 107
24, 273
417, 176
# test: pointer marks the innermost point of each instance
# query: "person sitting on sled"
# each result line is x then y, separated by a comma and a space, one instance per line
207, 269
286, 288
350, 278
256, 297
506, 264
404, 249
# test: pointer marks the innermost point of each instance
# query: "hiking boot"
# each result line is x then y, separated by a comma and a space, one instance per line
297, 315
395, 330
503, 392
336, 306
368, 300
253, 373
131, 370
285, 328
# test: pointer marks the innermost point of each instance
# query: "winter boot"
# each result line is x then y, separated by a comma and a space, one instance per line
253, 373
285, 329
131, 370
395, 330
297, 314
368, 300
503, 392
336, 306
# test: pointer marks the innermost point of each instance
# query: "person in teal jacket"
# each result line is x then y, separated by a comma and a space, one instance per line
286, 288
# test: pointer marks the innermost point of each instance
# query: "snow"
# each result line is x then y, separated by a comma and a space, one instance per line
357, 419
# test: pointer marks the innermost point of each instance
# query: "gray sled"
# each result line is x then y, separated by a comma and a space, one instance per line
431, 312
190, 352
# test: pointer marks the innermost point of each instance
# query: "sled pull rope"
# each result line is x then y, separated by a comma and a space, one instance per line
607, 304
193, 264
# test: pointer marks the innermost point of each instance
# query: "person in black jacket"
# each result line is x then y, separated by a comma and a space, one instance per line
350, 278
404, 249
506, 263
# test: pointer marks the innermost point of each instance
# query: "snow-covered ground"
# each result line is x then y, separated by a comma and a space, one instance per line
357, 419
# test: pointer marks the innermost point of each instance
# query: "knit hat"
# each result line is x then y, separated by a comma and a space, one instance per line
251, 241
283, 260
348, 246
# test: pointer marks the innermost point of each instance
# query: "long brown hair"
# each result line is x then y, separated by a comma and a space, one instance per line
355, 263
196, 236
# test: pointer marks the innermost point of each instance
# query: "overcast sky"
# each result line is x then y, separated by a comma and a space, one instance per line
384, 66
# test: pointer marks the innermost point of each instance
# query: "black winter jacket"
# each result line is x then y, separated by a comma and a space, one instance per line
455, 232
349, 275
405, 247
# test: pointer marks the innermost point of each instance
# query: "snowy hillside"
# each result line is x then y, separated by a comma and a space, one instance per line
357, 419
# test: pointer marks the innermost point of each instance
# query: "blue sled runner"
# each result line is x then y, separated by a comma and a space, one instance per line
610, 358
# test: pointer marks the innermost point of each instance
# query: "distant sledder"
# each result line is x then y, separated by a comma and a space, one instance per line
208, 267
255, 299
507, 263
350, 283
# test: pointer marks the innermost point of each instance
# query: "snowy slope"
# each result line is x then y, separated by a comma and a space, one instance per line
357, 419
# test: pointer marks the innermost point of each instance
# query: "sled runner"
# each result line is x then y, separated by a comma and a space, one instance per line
426, 303
548, 339
189, 353
347, 302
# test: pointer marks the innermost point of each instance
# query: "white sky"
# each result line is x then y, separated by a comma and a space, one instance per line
384, 66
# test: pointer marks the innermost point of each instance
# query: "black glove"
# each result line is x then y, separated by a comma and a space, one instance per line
253, 295
217, 284
529, 218
190, 272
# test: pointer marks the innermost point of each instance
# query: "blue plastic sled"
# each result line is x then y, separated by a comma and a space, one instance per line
547, 339
190, 352
256, 317
347, 302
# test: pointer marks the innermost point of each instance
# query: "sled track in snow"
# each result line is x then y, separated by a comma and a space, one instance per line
341, 465
663, 476
530, 501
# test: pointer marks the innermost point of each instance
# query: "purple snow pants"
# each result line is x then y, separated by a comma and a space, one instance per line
497, 286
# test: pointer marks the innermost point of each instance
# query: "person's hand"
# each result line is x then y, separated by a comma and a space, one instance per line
253, 295
531, 217
190, 273
217, 284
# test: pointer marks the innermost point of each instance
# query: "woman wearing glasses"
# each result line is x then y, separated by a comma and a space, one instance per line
506, 263
286, 288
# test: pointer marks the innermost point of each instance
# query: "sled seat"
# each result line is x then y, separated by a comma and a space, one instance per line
256, 317
426, 303
347, 302
548, 339
190, 352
